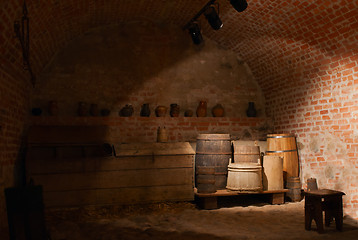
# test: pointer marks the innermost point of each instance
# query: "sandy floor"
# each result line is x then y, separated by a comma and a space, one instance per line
184, 221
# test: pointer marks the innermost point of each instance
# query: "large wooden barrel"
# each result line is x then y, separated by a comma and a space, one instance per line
246, 154
284, 145
272, 178
214, 150
205, 179
244, 177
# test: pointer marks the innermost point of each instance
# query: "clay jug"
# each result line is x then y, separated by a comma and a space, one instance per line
82, 109
126, 111
174, 110
218, 111
160, 111
251, 111
53, 108
105, 112
145, 111
188, 113
94, 111
202, 109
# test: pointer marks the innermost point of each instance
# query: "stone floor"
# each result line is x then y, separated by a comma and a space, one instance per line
235, 219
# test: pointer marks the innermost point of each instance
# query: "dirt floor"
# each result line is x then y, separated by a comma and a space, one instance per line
235, 219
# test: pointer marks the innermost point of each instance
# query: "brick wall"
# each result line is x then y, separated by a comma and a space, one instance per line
309, 77
144, 129
137, 63
302, 53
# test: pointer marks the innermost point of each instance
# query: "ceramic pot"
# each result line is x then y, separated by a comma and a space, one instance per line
188, 113
160, 111
126, 111
251, 111
218, 111
82, 109
174, 110
201, 109
145, 111
94, 110
36, 111
105, 112
53, 108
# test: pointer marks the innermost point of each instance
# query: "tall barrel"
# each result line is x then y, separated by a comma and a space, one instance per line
213, 150
246, 154
284, 145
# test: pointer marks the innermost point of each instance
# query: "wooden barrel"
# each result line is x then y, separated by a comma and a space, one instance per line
294, 189
284, 145
244, 177
214, 150
246, 154
272, 177
205, 179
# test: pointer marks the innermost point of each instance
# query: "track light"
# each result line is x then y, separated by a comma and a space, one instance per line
195, 33
213, 18
239, 5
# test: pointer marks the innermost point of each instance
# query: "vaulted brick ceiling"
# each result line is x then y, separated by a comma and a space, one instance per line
281, 40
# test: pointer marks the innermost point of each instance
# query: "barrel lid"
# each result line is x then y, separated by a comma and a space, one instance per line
281, 135
244, 165
214, 136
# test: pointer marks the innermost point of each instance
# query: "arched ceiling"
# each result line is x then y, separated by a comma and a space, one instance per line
279, 39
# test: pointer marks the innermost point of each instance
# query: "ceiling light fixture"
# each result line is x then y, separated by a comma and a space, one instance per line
239, 5
194, 30
212, 16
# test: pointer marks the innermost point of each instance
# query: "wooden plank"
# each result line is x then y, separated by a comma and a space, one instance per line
146, 162
67, 134
119, 196
73, 165
115, 179
225, 192
68, 165
149, 149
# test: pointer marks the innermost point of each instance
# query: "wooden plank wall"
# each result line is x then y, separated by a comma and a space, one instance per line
75, 174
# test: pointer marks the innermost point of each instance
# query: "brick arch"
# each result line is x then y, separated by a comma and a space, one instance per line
303, 54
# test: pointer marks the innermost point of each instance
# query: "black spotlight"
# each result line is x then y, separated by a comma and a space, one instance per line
239, 5
213, 18
194, 31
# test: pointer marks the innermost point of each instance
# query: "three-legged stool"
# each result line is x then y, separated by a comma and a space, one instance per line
329, 201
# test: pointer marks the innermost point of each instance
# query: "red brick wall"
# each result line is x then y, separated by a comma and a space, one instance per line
309, 76
303, 54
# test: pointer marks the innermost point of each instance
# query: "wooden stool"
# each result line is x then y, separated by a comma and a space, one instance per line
317, 201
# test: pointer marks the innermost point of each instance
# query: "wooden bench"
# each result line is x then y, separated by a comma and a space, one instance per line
209, 200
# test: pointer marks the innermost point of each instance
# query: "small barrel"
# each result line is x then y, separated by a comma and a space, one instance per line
272, 178
294, 189
246, 154
284, 145
244, 177
214, 150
